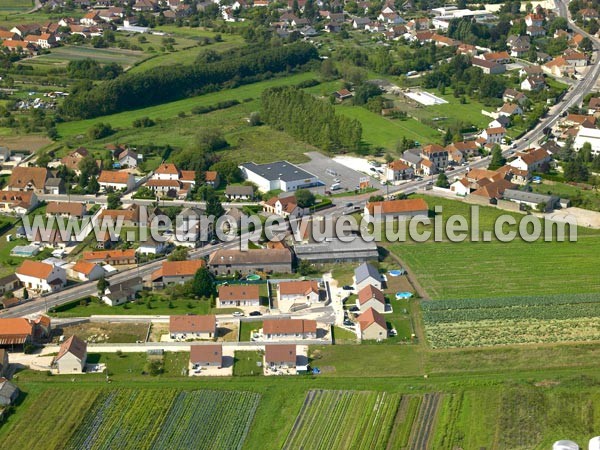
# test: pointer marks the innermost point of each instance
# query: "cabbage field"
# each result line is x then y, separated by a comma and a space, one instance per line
512, 320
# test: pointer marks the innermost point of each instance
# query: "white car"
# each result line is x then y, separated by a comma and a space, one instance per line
238, 314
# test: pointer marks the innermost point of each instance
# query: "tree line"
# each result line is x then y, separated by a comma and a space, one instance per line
164, 84
309, 119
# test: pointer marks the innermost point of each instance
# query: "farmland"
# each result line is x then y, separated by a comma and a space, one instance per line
445, 269
62, 55
512, 320
344, 419
138, 419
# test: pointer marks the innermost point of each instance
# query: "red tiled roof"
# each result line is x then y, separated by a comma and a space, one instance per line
398, 206
35, 269
289, 326
196, 324
239, 292
369, 317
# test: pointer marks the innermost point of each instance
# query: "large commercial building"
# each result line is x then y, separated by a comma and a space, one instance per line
280, 175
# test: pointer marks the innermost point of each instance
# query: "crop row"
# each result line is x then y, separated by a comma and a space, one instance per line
212, 420
505, 332
547, 312
507, 302
344, 419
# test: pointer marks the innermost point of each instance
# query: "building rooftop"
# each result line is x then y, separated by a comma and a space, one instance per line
278, 170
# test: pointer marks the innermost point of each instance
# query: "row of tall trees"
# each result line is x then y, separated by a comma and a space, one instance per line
164, 84
309, 119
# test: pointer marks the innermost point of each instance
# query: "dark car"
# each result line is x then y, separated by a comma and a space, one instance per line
348, 288
255, 313
354, 309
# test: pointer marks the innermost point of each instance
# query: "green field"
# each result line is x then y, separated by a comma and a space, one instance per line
60, 56
383, 132
583, 198
344, 419
15, 6
512, 320
139, 419
518, 268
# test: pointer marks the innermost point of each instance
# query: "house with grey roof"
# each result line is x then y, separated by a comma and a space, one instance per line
335, 251
366, 274
532, 200
54, 186
239, 192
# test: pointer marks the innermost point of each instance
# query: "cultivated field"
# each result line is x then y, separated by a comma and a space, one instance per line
60, 56
512, 320
344, 419
136, 419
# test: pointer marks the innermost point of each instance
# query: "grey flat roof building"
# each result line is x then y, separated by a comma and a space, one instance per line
278, 170
528, 197
337, 251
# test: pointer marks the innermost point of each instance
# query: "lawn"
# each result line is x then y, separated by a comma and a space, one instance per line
247, 327
15, 6
446, 270
384, 132
154, 305
248, 363
583, 198
60, 56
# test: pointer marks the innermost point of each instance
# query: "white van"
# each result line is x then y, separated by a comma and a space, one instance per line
335, 186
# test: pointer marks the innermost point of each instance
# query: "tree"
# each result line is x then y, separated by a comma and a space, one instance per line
328, 70
93, 186
25, 294
210, 139
576, 170
586, 45
102, 285
203, 283
179, 254
305, 198
497, 159
305, 268
442, 181
113, 200
364, 92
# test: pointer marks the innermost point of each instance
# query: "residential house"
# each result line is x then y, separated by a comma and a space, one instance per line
72, 160
359, 23
168, 180
239, 192
594, 105
398, 171
491, 192
513, 96
576, 59
72, 356
17, 331
86, 271
488, 67
294, 295
530, 70
279, 175
28, 179
371, 326
9, 283
19, 47
8, 392
212, 178
41, 277
91, 18
371, 297
533, 83
514, 175
461, 187
466, 149
588, 14
497, 57
532, 160
119, 181
209, 355
129, 217
365, 275
396, 208
510, 109
193, 327
283, 206
438, 156
19, 203
279, 356
493, 135
534, 20
74, 210
558, 67
121, 292
54, 186
176, 272
238, 295
151, 246
343, 94
128, 158
228, 262
112, 257
282, 329
535, 31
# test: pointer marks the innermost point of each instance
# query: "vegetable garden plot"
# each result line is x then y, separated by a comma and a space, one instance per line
344, 419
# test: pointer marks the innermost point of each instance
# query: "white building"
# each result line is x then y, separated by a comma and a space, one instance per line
71, 356
280, 175
116, 180
41, 277
591, 135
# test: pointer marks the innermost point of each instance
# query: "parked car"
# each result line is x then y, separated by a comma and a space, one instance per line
354, 309
238, 314
348, 288
255, 313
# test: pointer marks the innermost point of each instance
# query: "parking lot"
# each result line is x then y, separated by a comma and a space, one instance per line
329, 170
